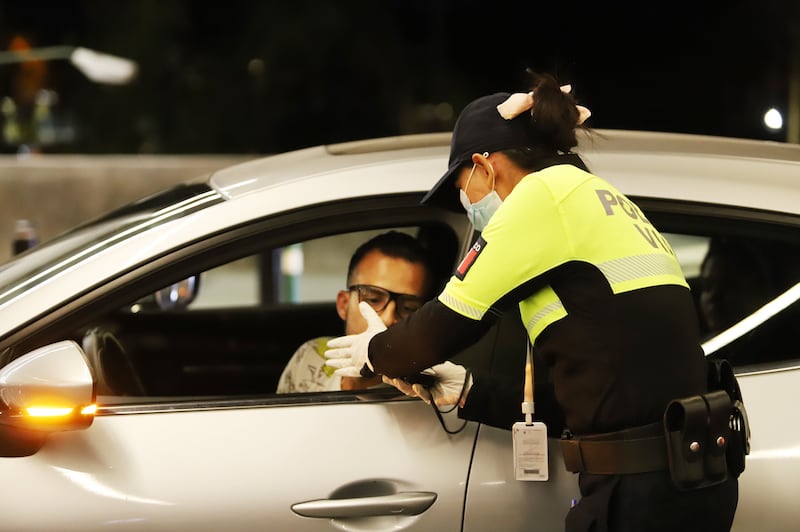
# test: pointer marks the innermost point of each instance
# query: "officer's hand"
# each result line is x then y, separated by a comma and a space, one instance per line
450, 388
411, 390
348, 354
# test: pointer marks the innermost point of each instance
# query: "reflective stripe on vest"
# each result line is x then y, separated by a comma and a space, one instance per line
624, 274
461, 307
640, 271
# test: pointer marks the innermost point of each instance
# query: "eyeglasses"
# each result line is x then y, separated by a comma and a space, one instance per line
378, 298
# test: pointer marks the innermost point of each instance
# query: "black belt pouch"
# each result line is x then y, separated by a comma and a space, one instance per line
684, 428
696, 431
717, 436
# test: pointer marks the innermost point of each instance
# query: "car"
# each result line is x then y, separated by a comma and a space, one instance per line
140, 351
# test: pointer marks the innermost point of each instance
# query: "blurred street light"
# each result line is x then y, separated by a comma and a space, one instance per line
97, 66
773, 119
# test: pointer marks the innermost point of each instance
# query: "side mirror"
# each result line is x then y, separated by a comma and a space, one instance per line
179, 295
47, 390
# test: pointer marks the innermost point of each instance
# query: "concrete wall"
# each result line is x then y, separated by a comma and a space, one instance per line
57, 192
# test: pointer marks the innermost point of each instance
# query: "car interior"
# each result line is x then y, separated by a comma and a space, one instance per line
233, 331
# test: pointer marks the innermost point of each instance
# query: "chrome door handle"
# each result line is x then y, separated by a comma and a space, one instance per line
403, 503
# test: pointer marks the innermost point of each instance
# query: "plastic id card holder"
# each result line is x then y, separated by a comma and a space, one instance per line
530, 451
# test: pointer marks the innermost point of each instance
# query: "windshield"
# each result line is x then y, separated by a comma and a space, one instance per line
41, 262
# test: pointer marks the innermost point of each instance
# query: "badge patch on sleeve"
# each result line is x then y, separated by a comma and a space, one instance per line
470, 258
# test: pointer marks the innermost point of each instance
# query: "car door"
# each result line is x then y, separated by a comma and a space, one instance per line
354, 463
200, 453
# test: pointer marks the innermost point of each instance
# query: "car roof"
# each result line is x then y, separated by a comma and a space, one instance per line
750, 173
728, 171
309, 163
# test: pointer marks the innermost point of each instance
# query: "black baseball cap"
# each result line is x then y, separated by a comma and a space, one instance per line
479, 128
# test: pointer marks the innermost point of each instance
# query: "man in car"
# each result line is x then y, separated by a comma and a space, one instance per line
392, 273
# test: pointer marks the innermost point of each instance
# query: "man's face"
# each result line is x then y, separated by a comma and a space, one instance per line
376, 269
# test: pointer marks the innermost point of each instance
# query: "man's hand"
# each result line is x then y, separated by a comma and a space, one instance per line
450, 389
350, 353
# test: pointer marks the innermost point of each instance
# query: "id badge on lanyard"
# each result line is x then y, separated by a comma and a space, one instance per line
529, 437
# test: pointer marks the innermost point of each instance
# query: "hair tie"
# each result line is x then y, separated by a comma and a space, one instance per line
583, 112
516, 104
519, 102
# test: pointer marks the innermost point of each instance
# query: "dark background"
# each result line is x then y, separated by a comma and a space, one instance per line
242, 76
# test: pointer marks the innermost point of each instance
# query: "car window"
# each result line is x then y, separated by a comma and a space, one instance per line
229, 331
742, 286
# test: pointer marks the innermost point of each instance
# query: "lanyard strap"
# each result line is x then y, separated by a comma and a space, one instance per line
527, 403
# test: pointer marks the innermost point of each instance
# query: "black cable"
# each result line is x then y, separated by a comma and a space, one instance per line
458, 402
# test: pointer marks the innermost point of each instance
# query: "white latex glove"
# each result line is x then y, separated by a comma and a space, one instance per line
450, 383
350, 353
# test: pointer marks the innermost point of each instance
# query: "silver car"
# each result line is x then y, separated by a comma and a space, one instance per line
140, 352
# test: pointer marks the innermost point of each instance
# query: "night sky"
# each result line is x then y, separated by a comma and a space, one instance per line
265, 76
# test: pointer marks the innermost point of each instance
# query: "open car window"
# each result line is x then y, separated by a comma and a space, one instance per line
229, 331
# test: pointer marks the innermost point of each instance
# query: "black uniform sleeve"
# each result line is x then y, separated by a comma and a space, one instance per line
431, 335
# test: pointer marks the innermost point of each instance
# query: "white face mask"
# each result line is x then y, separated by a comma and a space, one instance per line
481, 211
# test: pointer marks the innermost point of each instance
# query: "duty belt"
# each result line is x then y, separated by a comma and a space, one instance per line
636, 450
701, 440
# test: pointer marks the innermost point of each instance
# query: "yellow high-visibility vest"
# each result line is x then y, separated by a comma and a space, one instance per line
555, 216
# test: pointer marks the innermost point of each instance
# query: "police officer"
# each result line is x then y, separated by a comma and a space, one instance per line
600, 292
